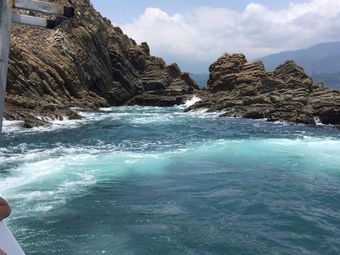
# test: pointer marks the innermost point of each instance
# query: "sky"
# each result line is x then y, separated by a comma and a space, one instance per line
194, 33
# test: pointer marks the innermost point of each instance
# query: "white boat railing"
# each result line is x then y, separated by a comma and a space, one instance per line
8, 244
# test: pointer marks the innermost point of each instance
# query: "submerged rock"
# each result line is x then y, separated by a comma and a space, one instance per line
242, 89
88, 63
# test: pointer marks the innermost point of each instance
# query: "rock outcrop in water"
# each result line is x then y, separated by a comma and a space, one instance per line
86, 63
242, 89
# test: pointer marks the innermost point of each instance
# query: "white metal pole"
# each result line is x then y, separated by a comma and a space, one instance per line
34, 21
6, 11
50, 8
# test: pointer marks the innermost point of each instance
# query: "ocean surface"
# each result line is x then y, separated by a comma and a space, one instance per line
148, 180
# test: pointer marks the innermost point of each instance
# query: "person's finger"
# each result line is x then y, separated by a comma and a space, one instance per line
2, 252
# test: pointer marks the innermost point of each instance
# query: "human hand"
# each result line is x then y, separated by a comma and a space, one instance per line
5, 210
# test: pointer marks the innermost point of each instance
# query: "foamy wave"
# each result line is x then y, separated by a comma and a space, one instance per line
46, 184
318, 121
64, 123
54, 124
12, 125
204, 113
192, 101
151, 118
44, 181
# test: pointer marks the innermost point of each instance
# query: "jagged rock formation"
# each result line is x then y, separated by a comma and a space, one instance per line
169, 90
86, 63
242, 89
89, 63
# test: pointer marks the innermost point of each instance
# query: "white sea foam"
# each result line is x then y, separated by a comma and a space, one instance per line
106, 109
151, 118
192, 101
55, 124
44, 181
47, 177
12, 125
47, 182
203, 113
318, 121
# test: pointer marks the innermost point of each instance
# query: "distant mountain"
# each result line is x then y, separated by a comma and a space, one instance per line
321, 61
331, 79
200, 78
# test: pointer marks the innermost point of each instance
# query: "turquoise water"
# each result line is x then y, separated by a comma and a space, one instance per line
134, 180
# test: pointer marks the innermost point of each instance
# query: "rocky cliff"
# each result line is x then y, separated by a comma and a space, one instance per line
89, 63
86, 62
242, 89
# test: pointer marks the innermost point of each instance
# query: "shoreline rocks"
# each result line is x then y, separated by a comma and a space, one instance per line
242, 89
85, 63
89, 63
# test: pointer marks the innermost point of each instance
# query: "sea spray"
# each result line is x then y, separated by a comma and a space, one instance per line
192, 101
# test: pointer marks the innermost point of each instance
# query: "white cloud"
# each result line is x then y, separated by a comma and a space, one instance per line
204, 33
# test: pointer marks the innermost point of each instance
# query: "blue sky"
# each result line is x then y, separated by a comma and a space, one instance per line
121, 12
194, 33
